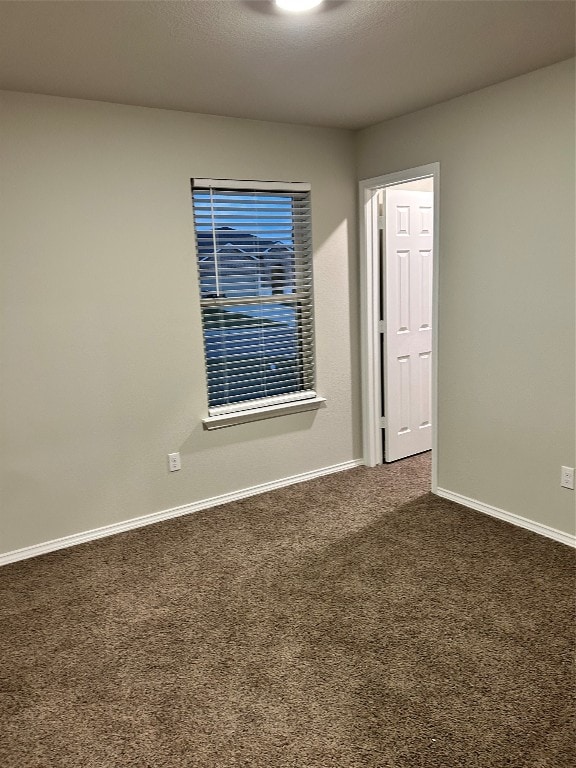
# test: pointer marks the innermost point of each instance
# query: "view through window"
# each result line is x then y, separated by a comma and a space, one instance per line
255, 272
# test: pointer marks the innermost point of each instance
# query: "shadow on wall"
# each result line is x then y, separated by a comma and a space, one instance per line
200, 439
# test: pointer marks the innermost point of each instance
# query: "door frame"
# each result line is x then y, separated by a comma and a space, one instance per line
371, 329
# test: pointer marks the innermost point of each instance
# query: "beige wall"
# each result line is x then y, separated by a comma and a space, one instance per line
506, 311
102, 368
420, 185
101, 364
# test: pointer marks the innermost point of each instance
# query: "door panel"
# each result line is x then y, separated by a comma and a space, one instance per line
425, 289
425, 374
403, 299
407, 340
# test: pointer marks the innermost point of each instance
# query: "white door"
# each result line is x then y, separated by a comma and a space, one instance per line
407, 337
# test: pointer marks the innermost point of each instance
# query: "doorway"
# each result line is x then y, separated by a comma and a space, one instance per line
399, 270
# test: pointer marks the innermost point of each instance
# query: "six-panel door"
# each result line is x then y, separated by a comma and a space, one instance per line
407, 339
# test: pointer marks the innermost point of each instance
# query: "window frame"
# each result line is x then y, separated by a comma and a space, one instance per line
247, 410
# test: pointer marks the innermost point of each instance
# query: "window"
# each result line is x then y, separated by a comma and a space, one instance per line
253, 242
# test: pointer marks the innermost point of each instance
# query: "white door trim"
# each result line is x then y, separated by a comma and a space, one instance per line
370, 303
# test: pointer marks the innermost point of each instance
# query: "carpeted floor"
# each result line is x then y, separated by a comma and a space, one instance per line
355, 620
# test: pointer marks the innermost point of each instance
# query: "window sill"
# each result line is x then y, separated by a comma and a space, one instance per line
267, 412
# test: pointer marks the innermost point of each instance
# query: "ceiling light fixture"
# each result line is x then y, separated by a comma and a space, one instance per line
297, 6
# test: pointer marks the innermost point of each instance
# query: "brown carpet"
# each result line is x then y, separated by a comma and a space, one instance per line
351, 621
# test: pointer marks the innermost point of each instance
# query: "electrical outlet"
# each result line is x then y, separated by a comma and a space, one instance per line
174, 463
567, 478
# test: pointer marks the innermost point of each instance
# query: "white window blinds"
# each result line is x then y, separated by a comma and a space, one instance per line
254, 251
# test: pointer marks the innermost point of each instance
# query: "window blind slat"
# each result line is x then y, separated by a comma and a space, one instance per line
253, 381
251, 355
252, 392
248, 325
242, 356
289, 300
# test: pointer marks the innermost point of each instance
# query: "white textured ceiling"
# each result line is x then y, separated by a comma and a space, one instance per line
351, 64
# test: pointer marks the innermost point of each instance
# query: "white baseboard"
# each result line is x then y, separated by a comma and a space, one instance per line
167, 514
521, 522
